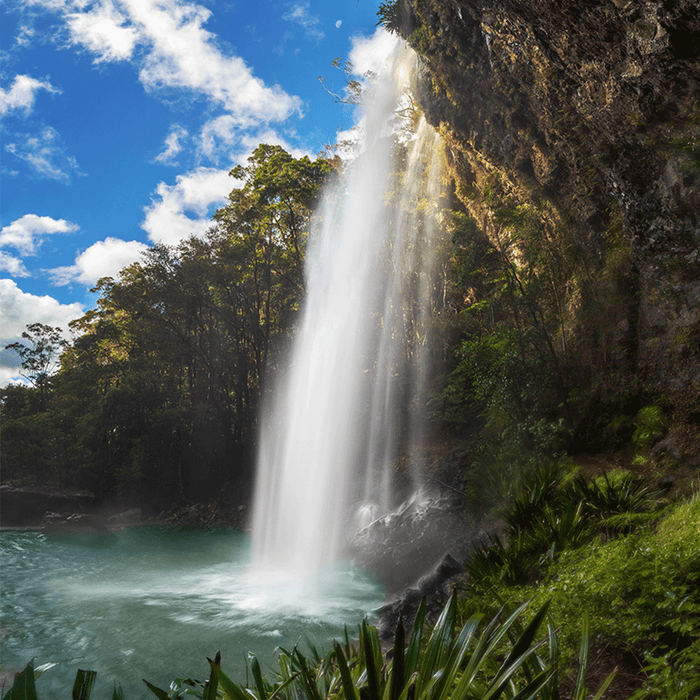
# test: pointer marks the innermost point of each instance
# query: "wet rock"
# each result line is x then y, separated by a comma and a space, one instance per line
78, 528
586, 115
65, 523
400, 547
25, 506
432, 587
128, 517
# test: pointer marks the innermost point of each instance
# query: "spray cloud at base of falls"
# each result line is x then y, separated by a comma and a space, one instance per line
352, 401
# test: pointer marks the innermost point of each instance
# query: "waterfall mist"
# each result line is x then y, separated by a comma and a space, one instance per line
352, 400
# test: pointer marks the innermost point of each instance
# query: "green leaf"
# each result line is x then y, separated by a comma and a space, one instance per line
348, 686
398, 668
84, 682
257, 676
528, 636
532, 689
233, 690
414, 642
437, 646
606, 684
443, 689
580, 685
212, 684
23, 687
160, 694
371, 649
307, 680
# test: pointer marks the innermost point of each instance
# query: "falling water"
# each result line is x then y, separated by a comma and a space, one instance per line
350, 403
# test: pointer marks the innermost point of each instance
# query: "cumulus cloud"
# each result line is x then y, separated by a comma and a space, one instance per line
25, 234
168, 42
173, 145
217, 133
13, 265
102, 30
299, 13
183, 209
102, 259
45, 154
21, 95
17, 310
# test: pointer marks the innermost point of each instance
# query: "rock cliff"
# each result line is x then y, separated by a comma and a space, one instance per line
579, 122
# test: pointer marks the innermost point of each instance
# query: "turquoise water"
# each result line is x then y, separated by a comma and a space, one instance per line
153, 603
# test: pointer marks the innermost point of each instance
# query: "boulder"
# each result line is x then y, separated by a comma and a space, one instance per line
128, 517
433, 587
400, 547
24, 506
72, 522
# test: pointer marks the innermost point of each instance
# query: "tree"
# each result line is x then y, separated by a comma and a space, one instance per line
165, 373
40, 356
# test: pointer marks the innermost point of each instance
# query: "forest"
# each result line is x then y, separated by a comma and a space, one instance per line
156, 399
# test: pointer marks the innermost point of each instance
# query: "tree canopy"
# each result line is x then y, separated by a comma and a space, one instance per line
159, 391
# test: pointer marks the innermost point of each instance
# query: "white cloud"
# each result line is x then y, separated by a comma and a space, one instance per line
25, 233
13, 265
45, 153
102, 259
168, 40
218, 133
173, 145
219, 136
299, 14
370, 54
17, 310
183, 55
102, 31
22, 94
184, 209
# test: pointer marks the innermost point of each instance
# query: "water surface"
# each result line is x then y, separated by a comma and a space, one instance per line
153, 603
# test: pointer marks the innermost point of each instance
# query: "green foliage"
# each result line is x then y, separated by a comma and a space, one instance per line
610, 547
390, 16
548, 517
508, 388
650, 425
499, 386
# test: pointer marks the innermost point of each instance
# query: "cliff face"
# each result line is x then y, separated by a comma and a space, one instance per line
585, 114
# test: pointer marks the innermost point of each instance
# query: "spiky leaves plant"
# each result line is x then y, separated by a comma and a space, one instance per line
24, 684
502, 661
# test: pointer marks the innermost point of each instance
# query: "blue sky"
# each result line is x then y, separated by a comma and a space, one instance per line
122, 118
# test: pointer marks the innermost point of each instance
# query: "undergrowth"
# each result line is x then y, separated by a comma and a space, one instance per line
610, 547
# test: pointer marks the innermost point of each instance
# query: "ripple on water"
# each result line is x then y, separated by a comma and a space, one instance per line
156, 603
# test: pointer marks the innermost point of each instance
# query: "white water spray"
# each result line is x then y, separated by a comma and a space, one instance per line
351, 401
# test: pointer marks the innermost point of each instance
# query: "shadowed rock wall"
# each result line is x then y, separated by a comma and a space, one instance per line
587, 112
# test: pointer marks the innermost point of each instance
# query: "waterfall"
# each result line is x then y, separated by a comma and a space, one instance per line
351, 402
